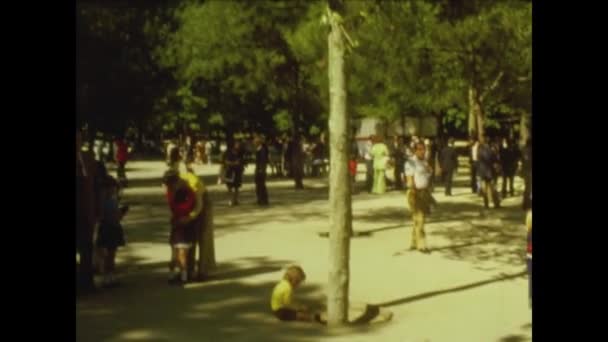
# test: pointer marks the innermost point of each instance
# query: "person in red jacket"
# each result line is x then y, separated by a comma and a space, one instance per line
121, 155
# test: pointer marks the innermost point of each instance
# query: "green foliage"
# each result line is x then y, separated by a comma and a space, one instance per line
263, 64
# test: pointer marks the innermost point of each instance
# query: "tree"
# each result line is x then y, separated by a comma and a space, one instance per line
232, 58
339, 190
488, 46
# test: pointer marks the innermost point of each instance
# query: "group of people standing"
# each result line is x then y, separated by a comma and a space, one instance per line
380, 157
191, 227
491, 159
98, 216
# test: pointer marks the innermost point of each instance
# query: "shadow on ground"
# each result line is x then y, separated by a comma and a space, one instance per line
450, 290
225, 308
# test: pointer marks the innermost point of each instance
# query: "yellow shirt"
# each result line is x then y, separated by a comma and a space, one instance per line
197, 186
281, 295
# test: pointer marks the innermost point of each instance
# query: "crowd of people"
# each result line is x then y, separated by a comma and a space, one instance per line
409, 165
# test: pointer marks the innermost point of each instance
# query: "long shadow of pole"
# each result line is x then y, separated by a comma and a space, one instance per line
450, 290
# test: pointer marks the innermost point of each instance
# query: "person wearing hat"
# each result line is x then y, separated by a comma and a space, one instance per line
190, 209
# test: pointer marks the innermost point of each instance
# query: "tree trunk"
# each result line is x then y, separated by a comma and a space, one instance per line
476, 111
339, 180
524, 129
472, 116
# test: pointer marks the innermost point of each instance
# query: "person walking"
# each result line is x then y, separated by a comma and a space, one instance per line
261, 163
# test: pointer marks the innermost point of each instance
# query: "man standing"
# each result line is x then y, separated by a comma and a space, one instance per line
296, 165
527, 174
474, 146
509, 155
487, 160
418, 178
261, 162
449, 164
399, 158
88, 209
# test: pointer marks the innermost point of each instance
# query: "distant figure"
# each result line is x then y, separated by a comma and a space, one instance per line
208, 151
281, 301
121, 155
111, 234
449, 165
369, 164
487, 160
380, 154
509, 157
473, 149
527, 174
318, 159
234, 165
296, 155
201, 158
261, 163
88, 210
170, 146
398, 154
529, 252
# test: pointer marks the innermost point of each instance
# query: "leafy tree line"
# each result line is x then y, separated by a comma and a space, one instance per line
262, 65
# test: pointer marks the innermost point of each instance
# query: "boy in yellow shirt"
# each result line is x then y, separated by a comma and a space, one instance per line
281, 301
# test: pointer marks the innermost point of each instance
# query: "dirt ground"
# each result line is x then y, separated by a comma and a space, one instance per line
472, 287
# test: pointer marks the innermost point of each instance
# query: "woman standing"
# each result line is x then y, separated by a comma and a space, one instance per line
380, 155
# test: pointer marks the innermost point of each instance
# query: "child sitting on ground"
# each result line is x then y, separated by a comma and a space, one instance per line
281, 301
111, 234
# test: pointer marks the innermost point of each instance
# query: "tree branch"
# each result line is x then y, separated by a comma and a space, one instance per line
492, 86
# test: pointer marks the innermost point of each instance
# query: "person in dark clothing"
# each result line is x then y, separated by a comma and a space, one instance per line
88, 211
487, 161
527, 174
234, 165
261, 162
287, 142
398, 154
318, 158
294, 156
449, 164
509, 156
473, 147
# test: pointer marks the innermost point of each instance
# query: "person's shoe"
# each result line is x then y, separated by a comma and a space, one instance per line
177, 280
317, 318
425, 251
413, 248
